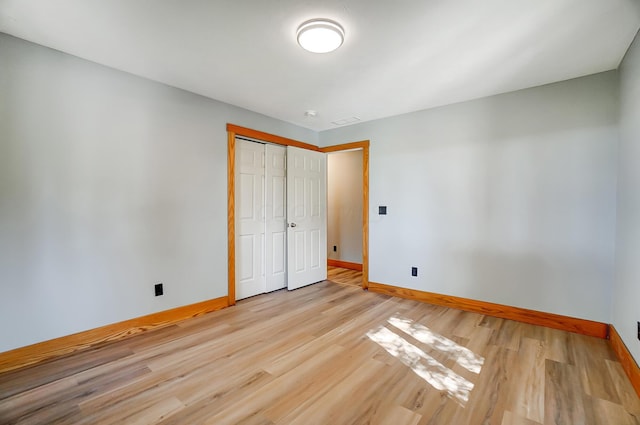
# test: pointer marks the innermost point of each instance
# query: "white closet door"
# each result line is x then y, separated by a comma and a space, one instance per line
276, 217
250, 219
307, 217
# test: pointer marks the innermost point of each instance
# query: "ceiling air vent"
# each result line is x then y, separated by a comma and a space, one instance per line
346, 121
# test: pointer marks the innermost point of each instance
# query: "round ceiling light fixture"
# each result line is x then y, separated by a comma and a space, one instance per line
320, 35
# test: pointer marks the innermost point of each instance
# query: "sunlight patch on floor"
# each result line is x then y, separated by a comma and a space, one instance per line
435, 373
422, 364
463, 356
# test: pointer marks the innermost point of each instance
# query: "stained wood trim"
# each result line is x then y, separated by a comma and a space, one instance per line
35, 353
344, 264
346, 146
231, 223
626, 359
267, 137
365, 215
364, 145
550, 320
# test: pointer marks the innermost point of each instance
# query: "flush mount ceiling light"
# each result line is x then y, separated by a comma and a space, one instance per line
320, 35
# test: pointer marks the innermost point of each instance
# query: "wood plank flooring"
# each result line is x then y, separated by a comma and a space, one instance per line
344, 276
330, 354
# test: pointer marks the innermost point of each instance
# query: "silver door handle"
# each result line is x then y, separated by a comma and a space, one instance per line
292, 224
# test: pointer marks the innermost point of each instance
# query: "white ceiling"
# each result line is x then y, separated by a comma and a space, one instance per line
398, 56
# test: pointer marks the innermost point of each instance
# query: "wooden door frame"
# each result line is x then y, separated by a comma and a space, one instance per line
235, 130
364, 146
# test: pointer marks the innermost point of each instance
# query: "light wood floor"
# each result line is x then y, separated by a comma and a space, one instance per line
330, 354
344, 276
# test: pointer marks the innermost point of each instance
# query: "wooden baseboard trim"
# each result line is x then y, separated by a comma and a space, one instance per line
344, 264
31, 354
550, 320
626, 359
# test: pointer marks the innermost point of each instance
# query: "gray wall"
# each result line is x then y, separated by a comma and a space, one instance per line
626, 294
509, 199
109, 183
344, 206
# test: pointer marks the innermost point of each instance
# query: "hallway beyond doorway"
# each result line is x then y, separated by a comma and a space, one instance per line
344, 276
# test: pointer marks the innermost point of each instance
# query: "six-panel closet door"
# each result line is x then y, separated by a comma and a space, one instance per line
307, 217
260, 218
273, 183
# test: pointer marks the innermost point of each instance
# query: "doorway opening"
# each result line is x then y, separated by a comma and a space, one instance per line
344, 216
360, 149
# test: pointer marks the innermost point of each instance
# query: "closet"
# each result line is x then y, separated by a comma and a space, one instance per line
281, 227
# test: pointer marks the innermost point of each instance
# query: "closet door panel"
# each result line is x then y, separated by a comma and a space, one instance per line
307, 217
250, 219
276, 219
